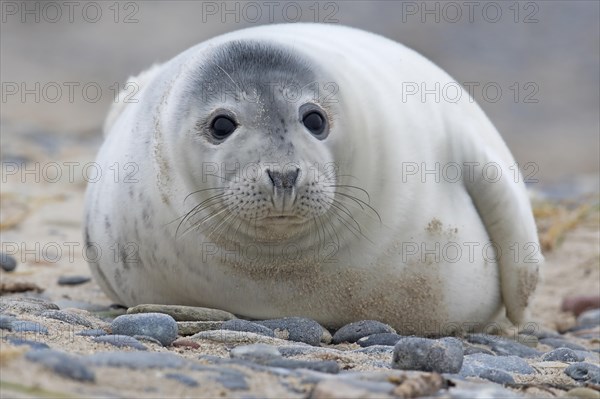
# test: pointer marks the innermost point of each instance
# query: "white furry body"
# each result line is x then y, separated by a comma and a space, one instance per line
379, 138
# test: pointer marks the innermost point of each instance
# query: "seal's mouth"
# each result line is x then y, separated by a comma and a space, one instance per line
282, 219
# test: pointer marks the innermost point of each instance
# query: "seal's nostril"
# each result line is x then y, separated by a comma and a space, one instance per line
283, 181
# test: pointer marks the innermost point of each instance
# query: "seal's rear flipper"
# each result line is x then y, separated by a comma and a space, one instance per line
500, 197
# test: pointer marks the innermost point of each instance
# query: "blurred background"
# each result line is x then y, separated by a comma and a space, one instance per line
533, 66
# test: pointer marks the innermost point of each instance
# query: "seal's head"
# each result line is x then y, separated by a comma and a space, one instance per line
253, 128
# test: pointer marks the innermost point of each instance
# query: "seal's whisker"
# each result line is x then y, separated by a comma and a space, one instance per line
354, 187
347, 213
199, 191
359, 202
352, 228
335, 240
199, 208
195, 225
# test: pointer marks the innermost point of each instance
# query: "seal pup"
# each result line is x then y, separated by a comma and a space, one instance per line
287, 170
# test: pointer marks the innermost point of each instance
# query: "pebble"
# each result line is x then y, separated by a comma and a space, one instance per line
247, 326
70, 318
96, 332
326, 336
582, 393
481, 391
73, 280
184, 313
351, 389
590, 318
470, 349
257, 353
584, 372
121, 341
354, 331
160, 326
32, 344
562, 343
294, 350
232, 379
62, 364
477, 364
562, 355
237, 337
6, 321
185, 343
136, 360
326, 366
503, 346
376, 350
443, 355
184, 379
296, 329
194, 327
25, 305
28, 326
389, 339
497, 376
8, 263
579, 304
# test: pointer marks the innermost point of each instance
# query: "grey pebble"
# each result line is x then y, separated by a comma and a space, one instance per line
194, 327
589, 318
258, 353
586, 372
327, 366
293, 350
562, 343
120, 341
184, 313
28, 326
156, 325
298, 329
184, 379
476, 364
8, 262
137, 360
62, 364
562, 355
375, 350
497, 376
232, 379
247, 326
96, 332
389, 339
354, 331
443, 355
32, 344
470, 349
147, 339
6, 321
73, 280
503, 346
70, 318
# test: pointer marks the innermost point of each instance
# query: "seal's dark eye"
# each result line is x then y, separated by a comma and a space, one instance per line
222, 126
314, 122
314, 119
